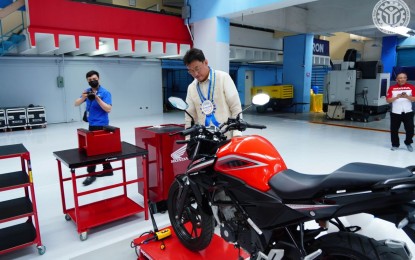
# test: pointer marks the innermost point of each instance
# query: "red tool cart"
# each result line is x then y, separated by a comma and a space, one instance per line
20, 234
107, 210
166, 159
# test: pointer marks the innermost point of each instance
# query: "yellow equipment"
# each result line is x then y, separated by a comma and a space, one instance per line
163, 234
280, 96
316, 102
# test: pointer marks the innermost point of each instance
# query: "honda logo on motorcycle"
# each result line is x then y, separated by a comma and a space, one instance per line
178, 155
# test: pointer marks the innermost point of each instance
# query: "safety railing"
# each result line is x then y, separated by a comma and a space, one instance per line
12, 37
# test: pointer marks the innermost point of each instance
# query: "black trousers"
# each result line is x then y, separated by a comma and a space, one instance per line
408, 122
105, 166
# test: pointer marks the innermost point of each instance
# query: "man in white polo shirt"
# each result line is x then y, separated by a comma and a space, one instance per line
212, 96
401, 95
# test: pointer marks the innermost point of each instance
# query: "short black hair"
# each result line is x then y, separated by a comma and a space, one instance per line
91, 73
402, 72
192, 55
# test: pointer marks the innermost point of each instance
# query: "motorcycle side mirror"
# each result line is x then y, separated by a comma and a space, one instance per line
257, 100
260, 99
178, 103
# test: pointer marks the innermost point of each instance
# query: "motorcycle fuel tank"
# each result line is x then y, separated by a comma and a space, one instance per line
252, 159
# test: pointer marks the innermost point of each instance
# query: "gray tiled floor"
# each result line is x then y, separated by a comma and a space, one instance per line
312, 148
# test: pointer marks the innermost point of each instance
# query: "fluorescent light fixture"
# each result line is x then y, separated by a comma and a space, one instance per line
171, 57
327, 34
402, 30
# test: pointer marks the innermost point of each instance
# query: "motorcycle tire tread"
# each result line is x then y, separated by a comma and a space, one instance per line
207, 224
355, 245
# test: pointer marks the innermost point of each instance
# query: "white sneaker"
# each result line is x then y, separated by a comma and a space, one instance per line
409, 147
394, 148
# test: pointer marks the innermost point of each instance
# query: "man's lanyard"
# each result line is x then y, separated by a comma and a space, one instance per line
208, 106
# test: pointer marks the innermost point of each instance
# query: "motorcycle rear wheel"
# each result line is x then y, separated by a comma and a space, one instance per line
345, 245
194, 227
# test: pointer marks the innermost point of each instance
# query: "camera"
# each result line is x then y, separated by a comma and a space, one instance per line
91, 95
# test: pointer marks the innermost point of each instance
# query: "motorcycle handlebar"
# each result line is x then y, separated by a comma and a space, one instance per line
188, 131
230, 125
255, 126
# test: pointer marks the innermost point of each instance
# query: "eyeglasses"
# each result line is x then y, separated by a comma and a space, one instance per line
195, 70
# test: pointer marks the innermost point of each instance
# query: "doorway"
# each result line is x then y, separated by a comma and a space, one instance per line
249, 82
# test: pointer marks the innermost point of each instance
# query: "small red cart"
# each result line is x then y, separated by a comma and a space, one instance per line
107, 210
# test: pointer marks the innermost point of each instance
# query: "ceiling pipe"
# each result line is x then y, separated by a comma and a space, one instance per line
11, 8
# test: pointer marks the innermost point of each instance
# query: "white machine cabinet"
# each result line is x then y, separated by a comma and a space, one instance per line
340, 86
371, 93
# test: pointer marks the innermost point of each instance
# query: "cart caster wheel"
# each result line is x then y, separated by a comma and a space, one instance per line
67, 217
83, 236
41, 250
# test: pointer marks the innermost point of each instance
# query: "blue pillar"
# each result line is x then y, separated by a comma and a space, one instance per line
389, 55
297, 67
212, 37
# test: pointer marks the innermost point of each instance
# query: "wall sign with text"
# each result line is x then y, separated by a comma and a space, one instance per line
321, 47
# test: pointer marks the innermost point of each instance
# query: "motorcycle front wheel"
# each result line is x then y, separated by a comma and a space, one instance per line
345, 245
194, 227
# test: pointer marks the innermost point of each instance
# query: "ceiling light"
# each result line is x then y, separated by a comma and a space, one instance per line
327, 34
402, 30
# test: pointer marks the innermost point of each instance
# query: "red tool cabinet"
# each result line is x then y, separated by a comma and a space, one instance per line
166, 159
22, 210
107, 210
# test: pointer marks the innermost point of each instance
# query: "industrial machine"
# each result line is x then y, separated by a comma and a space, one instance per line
340, 86
371, 94
359, 91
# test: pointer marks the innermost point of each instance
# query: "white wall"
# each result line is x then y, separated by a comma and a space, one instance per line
254, 38
135, 85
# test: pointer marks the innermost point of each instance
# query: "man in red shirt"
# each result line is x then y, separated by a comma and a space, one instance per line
401, 95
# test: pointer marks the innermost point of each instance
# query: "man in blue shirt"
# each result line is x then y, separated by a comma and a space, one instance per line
98, 105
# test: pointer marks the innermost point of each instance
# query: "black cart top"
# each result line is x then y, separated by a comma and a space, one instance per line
13, 149
74, 158
165, 129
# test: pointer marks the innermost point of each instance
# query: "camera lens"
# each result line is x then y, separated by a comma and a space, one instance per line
91, 96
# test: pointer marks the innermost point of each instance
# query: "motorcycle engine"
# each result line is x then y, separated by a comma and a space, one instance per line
225, 206
233, 226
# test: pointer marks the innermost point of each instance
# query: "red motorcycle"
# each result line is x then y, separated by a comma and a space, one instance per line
243, 186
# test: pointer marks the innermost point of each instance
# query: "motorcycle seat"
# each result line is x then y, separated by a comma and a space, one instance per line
292, 185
